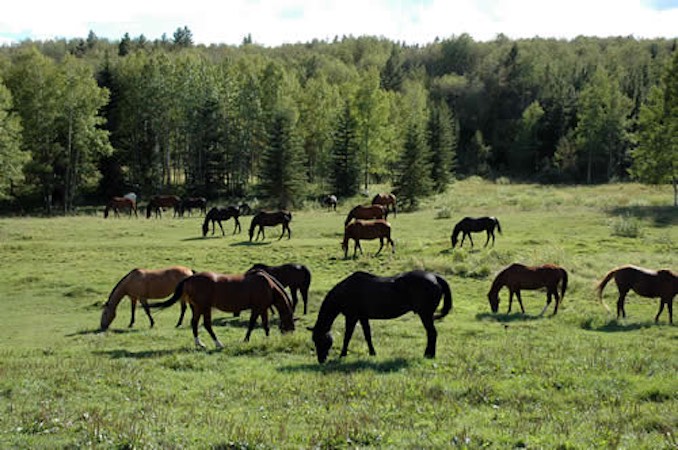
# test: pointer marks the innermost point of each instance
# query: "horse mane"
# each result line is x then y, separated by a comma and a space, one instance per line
116, 287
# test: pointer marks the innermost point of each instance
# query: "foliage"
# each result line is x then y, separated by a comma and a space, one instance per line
345, 173
413, 180
12, 158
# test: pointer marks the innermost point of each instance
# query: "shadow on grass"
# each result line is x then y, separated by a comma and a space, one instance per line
145, 354
616, 326
100, 331
661, 216
509, 318
339, 366
250, 244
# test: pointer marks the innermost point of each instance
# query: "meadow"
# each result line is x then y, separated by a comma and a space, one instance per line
580, 379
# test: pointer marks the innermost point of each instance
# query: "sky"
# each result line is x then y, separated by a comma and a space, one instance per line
276, 22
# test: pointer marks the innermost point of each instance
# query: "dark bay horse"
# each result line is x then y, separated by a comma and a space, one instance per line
386, 200
644, 282
469, 225
219, 214
189, 203
141, 285
157, 202
517, 277
297, 277
363, 296
270, 219
330, 201
118, 203
366, 212
367, 229
255, 290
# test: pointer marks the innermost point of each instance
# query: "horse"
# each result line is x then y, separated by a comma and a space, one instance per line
363, 296
189, 203
140, 285
219, 214
367, 229
294, 276
118, 203
469, 225
386, 200
644, 282
366, 212
518, 276
330, 201
245, 209
158, 202
270, 219
255, 290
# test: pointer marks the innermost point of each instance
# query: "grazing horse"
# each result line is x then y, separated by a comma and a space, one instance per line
644, 282
469, 225
367, 229
118, 203
387, 200
330, 201
270, 219
294, 276
158, 202
366, 212
518, 276
255, 290
363, 296
219, 214
140, 285
189, 203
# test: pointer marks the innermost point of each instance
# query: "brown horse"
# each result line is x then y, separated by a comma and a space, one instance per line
366, 212
158, 202
365, 229
270, 219
140, 285
387, 200
255, 290
294, 276
518, 276
118, 203
644, 282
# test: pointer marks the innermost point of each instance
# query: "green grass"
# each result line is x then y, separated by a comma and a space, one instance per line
580, 379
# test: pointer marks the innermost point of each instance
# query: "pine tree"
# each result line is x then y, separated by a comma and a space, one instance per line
345, 176
443, 145
413, 180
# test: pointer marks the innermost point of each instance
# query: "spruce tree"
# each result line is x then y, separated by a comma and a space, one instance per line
443, 145
413, 180
345, 174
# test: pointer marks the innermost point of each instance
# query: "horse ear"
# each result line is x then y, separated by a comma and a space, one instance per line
310, 328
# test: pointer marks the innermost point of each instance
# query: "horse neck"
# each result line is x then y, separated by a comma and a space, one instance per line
118, 293
497, 284
284, 307
326, 316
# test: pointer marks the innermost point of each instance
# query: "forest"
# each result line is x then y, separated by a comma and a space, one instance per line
85, 119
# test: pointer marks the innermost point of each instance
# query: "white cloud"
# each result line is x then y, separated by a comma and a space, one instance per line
273, 22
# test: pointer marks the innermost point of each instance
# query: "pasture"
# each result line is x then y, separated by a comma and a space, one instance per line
580, 379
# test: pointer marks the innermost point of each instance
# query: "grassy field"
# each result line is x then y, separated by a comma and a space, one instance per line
580, 379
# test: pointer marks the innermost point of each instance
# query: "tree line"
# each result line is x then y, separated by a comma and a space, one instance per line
93, 118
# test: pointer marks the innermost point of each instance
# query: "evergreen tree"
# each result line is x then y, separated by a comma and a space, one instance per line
183, 38
12, 159
282, 171
125, 45
443, 145
524, 153
413, 180
392, 74
345, 175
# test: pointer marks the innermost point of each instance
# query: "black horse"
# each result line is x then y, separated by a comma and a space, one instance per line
189, 203
219, 214
363, 296
330, 201
294, 276
469, 225
270, 219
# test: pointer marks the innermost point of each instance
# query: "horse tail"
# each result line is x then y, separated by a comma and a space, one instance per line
447, 298
178, 293
498, 225
564, 286
602, 284
148, 209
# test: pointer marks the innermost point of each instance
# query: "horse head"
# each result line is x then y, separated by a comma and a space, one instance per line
493, 298
107, 316
323, 342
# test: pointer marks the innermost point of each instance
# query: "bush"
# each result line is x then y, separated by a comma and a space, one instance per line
626, 226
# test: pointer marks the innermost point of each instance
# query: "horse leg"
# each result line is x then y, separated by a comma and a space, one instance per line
510, 301
282, 233
520, 301
549, 298
134, 308
557, 296
250, 326
181, 316
487, 241
237, 225
195, 320
431, 335
390, 241
144, 303
348, 333
264, 320
368, 335
381, 245
304, 297
295, 300
621, 311
470, 239
207, 323
222, 228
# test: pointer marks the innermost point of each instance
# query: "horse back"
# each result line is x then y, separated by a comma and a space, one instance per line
367, 296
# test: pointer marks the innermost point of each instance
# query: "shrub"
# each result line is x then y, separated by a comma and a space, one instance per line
626, 226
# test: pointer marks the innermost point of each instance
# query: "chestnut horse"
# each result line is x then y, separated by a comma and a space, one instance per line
219, 214
158, 202
363, 296
189, 203
294, 276
387, 200
469, 225
118, 203
644, 282
330, 201
270, 219
255, 290
366, 212
518, 276
140, 285
367, 229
